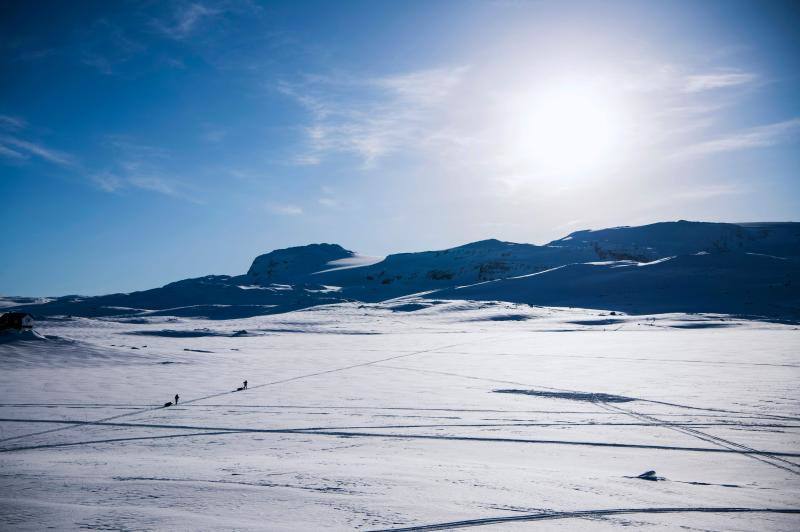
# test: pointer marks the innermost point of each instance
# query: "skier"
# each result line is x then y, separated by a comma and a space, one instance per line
176, 398
245, 385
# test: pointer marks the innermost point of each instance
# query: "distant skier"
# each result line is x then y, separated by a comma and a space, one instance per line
176, 398
245, 385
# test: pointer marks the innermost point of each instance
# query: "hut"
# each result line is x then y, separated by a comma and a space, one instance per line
16, 320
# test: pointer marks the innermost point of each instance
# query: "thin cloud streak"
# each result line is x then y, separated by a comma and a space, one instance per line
756, 137
284, 210
11, 123
139, 166
370, 117
185, 20
719, 80
21, 148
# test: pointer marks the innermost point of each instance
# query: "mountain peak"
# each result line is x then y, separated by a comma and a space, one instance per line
283, 264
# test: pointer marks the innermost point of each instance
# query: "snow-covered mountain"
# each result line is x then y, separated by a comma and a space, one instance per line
650, 242
671, 266
731, 283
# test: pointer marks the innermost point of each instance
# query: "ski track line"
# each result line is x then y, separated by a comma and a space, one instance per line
115, 440
704, 436
786, 465
282, 381
760, 416
406, 426
436, 425
581, 514
412, 409
789, 466
330, 489
665, 360
379, 435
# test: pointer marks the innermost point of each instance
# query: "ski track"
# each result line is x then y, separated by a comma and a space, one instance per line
760, 416
766, 458
639, 359
435, 425
720, 445
582, 514
352, 434
282, 381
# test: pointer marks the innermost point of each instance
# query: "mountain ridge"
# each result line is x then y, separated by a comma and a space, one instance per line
303, 276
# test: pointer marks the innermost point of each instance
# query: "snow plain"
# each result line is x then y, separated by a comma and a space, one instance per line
387, 416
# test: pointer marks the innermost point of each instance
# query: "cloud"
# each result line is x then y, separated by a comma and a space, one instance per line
185, 20
143, 167
329, 198
213, 134
328, 202
108, 182
717, 80
18, 148
705, 192
11, 123
13, 146
11, 154
284, 210
166, 185
423, 87
108, 46
370, 117
756, 137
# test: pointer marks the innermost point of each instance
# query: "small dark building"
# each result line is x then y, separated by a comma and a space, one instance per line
16, 320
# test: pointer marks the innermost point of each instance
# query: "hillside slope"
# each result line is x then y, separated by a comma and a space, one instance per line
712, 267
731, 283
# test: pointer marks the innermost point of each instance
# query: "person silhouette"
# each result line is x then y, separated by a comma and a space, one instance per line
245, 385
176, 398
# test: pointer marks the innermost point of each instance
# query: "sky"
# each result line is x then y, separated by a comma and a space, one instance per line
146, 142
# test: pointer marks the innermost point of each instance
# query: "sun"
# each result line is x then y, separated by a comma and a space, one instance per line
569, 129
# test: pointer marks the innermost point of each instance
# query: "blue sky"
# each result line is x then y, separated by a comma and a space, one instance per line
145, 142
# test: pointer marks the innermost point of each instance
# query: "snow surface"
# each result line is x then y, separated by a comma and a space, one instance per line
385, 416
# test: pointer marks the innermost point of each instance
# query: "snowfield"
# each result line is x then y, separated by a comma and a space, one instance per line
411, 414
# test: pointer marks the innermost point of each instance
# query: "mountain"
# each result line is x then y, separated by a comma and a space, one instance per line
650, 242
664, 267
731, 283
287, 264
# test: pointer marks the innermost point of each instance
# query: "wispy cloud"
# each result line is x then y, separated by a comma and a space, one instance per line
718, 80
140, 166
29, 148
756, 137
370, 117
329, 198
8, 153
706, 192
284, 209
214, 134
108, 181
108, 47
328, 202
11, 123
161, 184
185, 19
15, 145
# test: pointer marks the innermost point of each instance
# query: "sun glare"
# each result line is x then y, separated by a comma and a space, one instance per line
568, 130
